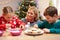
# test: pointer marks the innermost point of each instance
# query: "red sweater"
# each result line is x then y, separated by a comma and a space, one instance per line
15, 22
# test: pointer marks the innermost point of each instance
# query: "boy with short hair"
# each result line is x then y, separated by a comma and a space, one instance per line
51, 24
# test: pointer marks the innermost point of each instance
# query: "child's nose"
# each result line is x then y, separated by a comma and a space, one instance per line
29, 14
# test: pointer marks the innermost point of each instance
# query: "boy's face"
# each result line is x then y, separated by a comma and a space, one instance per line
51, 19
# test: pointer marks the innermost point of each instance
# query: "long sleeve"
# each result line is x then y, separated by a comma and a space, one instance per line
55, 31
41, 24
56, 28
53, 27
2, 26
19, 22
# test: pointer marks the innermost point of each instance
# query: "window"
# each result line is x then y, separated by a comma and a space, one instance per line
56, 3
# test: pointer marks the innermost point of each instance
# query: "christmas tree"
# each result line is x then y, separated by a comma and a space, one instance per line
23, 8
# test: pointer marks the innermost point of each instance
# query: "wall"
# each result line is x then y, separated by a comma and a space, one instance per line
58, 6
12, 3
42, 4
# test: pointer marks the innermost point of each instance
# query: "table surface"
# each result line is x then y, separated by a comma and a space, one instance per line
7, 36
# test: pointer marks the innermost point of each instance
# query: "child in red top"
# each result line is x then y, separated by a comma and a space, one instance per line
9, 20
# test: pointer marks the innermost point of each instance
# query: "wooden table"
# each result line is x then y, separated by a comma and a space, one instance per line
6, 36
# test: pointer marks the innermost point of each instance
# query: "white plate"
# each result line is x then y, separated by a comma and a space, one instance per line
36, 32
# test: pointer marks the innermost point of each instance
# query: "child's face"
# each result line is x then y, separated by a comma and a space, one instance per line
51, 19
8, 16
30, 14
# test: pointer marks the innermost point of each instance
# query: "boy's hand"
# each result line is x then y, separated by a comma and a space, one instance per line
46, 30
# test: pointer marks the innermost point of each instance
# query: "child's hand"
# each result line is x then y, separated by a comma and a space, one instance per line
22, 27
8, 25
46, 30
35, 26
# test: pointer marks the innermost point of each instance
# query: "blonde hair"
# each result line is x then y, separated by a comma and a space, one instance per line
35, 12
